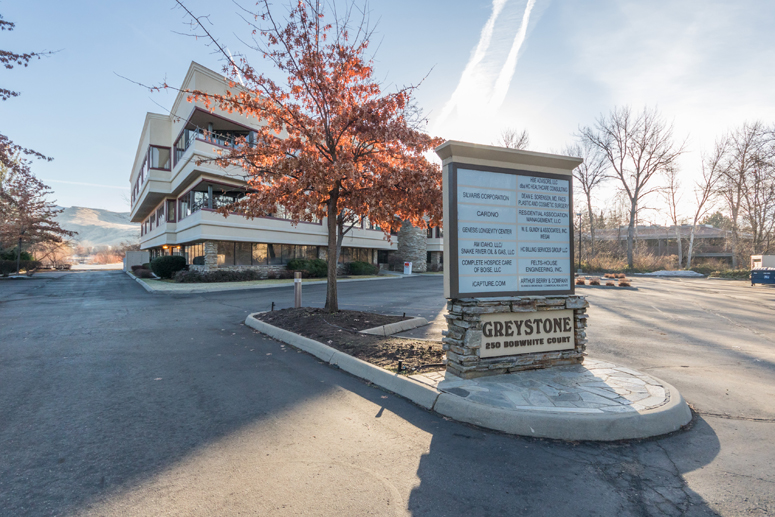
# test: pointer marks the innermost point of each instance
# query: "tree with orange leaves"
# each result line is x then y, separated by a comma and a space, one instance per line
331, 144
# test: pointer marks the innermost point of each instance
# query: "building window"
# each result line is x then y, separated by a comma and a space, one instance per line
185, 208
243, 254
259, 254
171, 210
194, 251
225, 253
274, 254
355, 255
159, 157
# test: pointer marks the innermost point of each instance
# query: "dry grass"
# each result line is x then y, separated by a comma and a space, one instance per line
594, 281
624, 283
610, 284
641, 262
581, 281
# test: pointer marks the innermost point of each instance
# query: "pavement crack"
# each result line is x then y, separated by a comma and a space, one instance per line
727, 416
733, 322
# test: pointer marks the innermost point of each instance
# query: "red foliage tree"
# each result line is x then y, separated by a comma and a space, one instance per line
26, 215
331, 144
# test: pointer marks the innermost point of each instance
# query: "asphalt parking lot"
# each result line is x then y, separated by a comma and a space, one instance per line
114, 401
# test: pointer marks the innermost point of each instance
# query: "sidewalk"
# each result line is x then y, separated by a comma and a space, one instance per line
594, 401
160, 286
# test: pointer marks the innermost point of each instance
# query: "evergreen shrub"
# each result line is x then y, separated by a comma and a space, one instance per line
361, 268
168, 265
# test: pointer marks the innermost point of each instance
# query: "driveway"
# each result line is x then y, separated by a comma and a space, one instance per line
114, 401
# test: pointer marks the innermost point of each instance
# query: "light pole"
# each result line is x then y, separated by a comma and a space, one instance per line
578, 214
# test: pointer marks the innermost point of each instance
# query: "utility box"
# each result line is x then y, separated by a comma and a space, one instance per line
759, 261
135, 258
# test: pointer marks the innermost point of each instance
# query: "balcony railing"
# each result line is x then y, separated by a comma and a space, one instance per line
225, 139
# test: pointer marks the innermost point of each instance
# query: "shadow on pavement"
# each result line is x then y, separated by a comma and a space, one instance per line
469, 471
128, 403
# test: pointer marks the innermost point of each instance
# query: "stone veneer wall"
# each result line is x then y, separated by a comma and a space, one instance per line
413, 246
463, 336
211, 255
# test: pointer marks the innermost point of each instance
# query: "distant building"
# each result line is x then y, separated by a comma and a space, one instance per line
175, 198
709, 242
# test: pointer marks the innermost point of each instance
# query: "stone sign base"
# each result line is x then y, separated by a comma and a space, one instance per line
464, 335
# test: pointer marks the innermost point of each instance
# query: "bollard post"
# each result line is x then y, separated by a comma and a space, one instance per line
297, 289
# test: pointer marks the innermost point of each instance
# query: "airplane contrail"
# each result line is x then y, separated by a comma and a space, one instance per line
466, 78
509, 67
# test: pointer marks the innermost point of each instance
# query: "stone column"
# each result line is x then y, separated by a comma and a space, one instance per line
435, 259
463, 337
211, 255
413, 246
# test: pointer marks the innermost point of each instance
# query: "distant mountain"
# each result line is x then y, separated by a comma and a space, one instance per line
97, 227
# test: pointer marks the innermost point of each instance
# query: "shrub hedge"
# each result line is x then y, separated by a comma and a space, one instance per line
143, 273
736, 274
245, 275
195, 277
10, 254
361, 268
315, 268
168, 265
9, 266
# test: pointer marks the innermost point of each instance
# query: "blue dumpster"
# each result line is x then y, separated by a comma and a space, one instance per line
763, 275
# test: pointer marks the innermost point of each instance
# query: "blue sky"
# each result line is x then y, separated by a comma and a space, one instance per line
707, 65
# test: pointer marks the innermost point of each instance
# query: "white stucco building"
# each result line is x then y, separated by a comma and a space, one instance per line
175, 199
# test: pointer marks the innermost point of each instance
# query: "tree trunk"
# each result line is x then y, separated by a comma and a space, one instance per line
734, 210
332, 301
680, 246
18, 255
691, 248
591, 228
734, 244
631, 235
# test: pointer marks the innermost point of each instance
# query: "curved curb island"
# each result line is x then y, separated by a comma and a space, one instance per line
603, 402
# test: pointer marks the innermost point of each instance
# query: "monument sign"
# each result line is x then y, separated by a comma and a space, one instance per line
511, 232
508, 255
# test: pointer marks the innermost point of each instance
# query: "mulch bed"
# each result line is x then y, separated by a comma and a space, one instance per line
340, 331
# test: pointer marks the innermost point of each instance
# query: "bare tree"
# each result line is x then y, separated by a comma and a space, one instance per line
10, 152
513, 139
743, 154
638, 146
704, 192
759, 196
672, 194
589, 175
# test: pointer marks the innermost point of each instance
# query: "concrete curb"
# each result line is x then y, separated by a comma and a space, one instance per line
195, 290
564, 426
419, 393
558, 425
139, 281
393, 328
